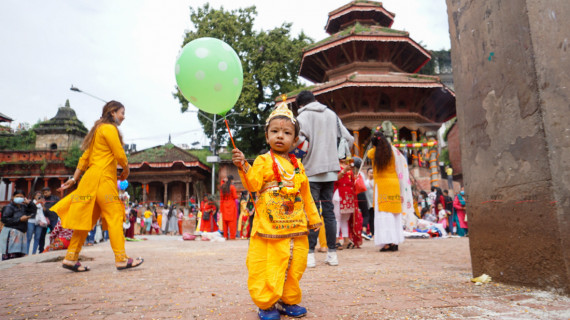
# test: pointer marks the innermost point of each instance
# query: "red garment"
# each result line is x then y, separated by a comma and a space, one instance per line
345, 186
208, 225
228, 205
355, 228
229, 229
131, 230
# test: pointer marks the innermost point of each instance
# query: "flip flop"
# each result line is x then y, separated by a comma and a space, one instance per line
130, 264
75, 268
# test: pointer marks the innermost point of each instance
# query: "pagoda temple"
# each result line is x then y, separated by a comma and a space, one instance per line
366, 72
61, 131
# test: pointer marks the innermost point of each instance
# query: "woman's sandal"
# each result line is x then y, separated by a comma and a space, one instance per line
384, 249
130, 264
394, 247
339, 246
75, 267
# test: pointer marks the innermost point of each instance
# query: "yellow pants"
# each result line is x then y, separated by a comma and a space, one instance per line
322, 238
113, 214
275, 268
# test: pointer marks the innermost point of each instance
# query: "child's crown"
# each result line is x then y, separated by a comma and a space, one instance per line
282, 109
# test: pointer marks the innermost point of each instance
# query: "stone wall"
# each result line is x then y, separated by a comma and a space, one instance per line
63, 141
510, 64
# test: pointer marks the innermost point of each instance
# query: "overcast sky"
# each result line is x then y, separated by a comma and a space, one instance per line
126, 50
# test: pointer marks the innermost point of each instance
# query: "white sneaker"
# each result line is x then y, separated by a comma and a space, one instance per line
311, 260
332, 259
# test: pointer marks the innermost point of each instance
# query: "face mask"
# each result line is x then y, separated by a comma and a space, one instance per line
117, 121
462, 192
18, 200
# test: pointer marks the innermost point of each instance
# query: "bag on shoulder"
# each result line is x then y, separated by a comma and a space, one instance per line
206, 215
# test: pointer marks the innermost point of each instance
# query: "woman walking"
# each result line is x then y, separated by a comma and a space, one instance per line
460, 217
15, 218
391, 184
97, 194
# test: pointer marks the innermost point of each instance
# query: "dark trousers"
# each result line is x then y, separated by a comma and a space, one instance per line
363, 206
371, 221
322, 193
42, 241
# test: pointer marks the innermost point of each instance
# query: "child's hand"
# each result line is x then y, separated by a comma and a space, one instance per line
238, 158
316, 229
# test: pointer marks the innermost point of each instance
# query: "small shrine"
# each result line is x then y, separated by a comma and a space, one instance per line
61, 131
366, 72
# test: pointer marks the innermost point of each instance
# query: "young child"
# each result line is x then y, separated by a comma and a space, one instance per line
442, 214
285, 211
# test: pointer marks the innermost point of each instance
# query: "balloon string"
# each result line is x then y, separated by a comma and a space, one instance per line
241, 168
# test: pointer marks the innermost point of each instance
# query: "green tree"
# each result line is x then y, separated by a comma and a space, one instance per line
21, 140
72, 156
270, 61
441, 57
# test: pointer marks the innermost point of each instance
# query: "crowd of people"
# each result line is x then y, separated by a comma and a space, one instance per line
288, 207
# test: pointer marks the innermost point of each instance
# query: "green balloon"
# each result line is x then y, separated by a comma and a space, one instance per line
209, 75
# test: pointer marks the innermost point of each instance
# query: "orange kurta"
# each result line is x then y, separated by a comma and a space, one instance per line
81, 209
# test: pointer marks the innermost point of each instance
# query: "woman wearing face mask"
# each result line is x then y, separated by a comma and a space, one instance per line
97, 194
15, 219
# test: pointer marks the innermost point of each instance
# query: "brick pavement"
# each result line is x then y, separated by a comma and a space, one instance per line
426, 279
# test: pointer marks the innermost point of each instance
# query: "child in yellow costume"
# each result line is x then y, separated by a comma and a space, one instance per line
285, 211
97, 194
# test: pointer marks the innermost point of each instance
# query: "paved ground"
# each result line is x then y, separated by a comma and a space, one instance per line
426, 279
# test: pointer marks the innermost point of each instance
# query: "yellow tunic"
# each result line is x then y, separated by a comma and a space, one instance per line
279, 216
81, 209
278, 247
387, 186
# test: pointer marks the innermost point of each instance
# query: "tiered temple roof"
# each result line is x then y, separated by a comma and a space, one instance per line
64, 122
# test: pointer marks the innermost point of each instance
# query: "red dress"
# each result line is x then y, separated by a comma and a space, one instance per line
345, 186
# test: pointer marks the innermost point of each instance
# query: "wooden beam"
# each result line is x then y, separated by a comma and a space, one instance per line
346, 53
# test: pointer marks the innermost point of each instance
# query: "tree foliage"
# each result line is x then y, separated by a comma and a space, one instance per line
72, 156
441, 58
270, 61
21, 140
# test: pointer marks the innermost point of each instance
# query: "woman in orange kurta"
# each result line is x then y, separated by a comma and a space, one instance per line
228, 207
97, 194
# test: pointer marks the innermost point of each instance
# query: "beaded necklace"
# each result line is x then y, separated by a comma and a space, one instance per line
296, 177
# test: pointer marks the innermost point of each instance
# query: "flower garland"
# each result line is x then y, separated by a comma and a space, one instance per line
296, 178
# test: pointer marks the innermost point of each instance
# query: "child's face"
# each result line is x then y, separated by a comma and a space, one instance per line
439, 206
281, 135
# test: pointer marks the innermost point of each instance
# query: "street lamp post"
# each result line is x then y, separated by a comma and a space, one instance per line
213, 143
81, 91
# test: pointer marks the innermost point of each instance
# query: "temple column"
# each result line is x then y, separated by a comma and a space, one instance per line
512, 111
61, 181
46, 182
29, 185
144, 185
165, 192
434, 169
187, 200
13, 185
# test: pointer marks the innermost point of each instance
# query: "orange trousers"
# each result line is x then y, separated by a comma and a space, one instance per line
229, 229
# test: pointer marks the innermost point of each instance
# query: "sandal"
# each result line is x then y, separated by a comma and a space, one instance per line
130, 264
386, 248
393, 247
75, 268
339, 246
